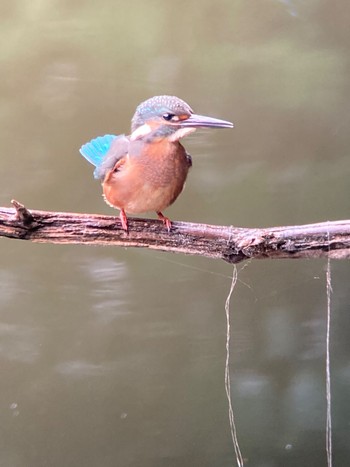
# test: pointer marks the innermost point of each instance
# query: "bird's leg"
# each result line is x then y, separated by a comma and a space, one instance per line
166, 221
123, 219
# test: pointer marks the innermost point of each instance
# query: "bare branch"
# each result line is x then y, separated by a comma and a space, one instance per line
229, 243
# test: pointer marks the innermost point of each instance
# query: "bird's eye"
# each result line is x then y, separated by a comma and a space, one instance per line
168, 117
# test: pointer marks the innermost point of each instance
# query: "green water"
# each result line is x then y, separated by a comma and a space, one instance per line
114, 357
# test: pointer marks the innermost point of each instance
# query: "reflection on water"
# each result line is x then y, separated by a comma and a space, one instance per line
109, 287
8, 286
78, 369
19, 343
290, 6
57, 90
116, 357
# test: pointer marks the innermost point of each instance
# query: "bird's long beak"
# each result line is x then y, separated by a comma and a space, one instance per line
196, 121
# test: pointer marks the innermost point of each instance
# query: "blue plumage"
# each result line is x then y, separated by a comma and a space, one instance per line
96, 149
95, 152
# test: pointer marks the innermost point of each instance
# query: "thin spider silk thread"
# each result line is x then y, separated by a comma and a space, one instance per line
328, 371
233, 429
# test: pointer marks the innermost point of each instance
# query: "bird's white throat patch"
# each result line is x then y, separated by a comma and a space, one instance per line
181, 133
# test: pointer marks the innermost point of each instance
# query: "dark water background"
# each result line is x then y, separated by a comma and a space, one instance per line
113, 357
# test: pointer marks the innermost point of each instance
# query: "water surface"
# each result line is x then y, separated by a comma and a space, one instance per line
116, 357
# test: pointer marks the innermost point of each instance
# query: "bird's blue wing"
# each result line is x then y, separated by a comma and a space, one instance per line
104, 152
96, 149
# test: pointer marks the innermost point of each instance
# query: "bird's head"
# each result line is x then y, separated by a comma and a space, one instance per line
169, 117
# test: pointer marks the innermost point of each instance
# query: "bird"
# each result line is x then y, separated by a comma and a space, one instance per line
146, 170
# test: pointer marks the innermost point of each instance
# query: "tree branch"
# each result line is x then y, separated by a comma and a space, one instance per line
232, 244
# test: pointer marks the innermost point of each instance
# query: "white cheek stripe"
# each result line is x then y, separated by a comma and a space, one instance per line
146, 129
141, 131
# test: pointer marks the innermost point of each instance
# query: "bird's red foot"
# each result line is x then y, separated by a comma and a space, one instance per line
123, 219
166, 221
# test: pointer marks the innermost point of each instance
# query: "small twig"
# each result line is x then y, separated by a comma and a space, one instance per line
232, 244
22, 213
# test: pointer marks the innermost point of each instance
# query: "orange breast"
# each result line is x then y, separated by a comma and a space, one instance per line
150, 178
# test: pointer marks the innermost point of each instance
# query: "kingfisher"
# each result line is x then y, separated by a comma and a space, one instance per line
146, 170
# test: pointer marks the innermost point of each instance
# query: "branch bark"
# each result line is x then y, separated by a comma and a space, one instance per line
232, 244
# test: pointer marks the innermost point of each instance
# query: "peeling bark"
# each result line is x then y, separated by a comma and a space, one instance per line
232, 244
